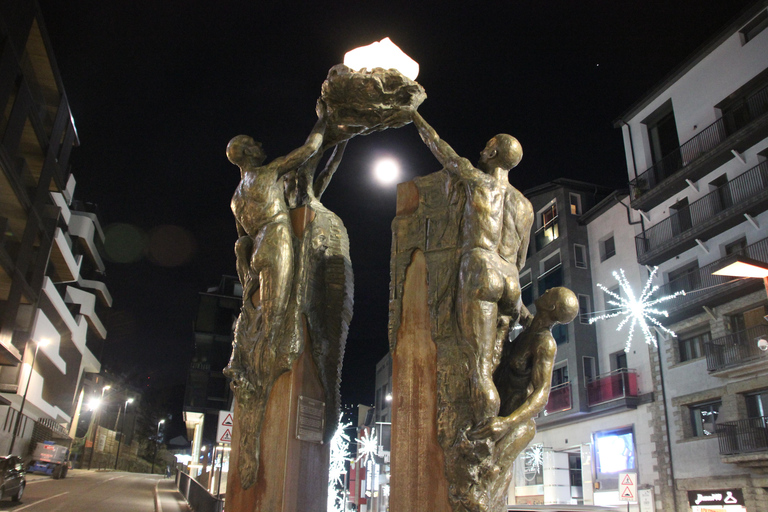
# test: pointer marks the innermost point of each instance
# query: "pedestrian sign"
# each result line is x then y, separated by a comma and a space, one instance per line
225, 426
628, 487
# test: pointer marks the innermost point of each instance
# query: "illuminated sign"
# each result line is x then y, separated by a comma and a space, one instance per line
720, 497
615, 451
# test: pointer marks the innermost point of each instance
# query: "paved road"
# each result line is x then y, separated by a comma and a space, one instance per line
91, 491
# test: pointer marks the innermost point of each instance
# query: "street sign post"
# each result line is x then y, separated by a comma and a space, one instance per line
628, 488
224, 430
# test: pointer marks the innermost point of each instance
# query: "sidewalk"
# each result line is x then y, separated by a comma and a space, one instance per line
168, 498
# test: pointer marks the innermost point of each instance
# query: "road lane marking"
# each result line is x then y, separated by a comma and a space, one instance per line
158, 508
38, 502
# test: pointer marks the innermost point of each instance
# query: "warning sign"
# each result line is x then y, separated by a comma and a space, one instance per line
628, 486
224, 430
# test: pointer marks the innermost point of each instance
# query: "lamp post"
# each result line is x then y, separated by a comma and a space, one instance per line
157, 439
741, 266
97, 409
120, 441
39, 344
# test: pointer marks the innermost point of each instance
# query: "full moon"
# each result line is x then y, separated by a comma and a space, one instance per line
386, 171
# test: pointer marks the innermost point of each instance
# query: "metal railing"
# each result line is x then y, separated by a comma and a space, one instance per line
559, 398
743, 436
736, 348
547, 234
732, 120
685, 219
199, 499
702, 279
621, 383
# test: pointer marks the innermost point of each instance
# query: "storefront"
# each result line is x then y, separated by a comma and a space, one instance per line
720, 500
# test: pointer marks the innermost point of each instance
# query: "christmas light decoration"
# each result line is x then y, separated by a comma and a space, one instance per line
339, 457
637, 310
367, 445
534, 458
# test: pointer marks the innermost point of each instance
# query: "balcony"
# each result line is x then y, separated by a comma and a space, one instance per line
737, 353
710, 290
559, 398
614, 389
717, 211
739, 127
744, 442
547, 234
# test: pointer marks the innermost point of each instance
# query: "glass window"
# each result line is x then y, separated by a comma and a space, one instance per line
692, 347
575, 200
550, 262
757, 404
584, 309
551, 280
549, 214
560, 375
526, 288
580, 256
607, 249
737, 247
560, 333
704, 418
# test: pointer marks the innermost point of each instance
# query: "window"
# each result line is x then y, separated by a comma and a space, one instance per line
588, 363
692, 347
619, 361
579, 256
550, 262
757, 404
548, 214
664, 142
574, 469
560, 375
551, 273
737, 247
722, 198
704, 418
584, 309
607, 248
680, 215
560, 333
607, 298
754, 27
686, 278
549, 229
526, 288
575, 200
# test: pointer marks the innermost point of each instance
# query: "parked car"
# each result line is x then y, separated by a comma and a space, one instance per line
12, 479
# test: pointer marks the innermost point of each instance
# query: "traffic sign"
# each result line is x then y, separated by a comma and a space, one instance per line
224, 430
628, 487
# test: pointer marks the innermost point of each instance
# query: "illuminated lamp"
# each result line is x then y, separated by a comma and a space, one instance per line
382, 54
742, 266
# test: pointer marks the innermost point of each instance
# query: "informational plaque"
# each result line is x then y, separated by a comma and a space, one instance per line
310, 423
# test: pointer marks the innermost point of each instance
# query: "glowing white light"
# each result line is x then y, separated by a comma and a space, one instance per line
386, 171
339, 457
382, 54
637, 310
534, 458
367, 445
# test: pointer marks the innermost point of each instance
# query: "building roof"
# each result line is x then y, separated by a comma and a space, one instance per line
615, 197
736, 23
567, 183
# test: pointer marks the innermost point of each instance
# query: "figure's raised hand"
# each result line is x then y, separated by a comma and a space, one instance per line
321, 109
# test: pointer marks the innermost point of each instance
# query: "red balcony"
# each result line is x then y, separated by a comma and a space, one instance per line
619, 384
559, 398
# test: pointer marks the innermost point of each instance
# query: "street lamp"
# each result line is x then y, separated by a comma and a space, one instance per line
157, 441
96, 406
120, 440
39, 344
741, 266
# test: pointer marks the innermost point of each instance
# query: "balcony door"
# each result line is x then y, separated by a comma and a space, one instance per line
680, 214
664, 142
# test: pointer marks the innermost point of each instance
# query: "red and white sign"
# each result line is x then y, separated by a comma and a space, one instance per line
628, 487
224, 430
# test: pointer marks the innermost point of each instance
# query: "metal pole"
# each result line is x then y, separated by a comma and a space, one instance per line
120, 441
221, 470
23, 400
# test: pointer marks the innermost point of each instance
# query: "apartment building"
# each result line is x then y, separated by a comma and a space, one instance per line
51, 291
696, 149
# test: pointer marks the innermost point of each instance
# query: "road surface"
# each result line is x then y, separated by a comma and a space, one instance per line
92, 491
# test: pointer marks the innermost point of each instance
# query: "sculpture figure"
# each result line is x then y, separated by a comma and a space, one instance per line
495, 231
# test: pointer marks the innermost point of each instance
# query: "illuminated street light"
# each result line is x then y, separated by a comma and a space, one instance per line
120, 440
742, 266
41, 343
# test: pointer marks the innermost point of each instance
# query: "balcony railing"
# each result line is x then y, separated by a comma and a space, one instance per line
732, 120
618, 384
559, 398
702, 280
734, 194
743, 436
736, 348
546, 234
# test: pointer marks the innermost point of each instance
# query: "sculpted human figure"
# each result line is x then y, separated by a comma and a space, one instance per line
524, 375
264, 250
496, 227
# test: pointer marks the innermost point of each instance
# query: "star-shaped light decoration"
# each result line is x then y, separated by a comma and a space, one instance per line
339, 457
367, 445
637, 310
534, 458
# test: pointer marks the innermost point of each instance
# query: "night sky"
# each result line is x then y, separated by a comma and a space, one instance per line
158, 88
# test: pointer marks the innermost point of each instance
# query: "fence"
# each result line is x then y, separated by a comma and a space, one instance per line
196, 495
743, 436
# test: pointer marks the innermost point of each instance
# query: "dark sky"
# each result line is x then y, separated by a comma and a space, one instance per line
157, 89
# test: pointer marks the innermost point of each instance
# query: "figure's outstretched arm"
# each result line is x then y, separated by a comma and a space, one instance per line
321, 183
441, 149
300, 155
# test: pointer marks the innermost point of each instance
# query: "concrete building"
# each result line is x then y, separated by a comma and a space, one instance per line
696, 148
207, 390
51, 268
